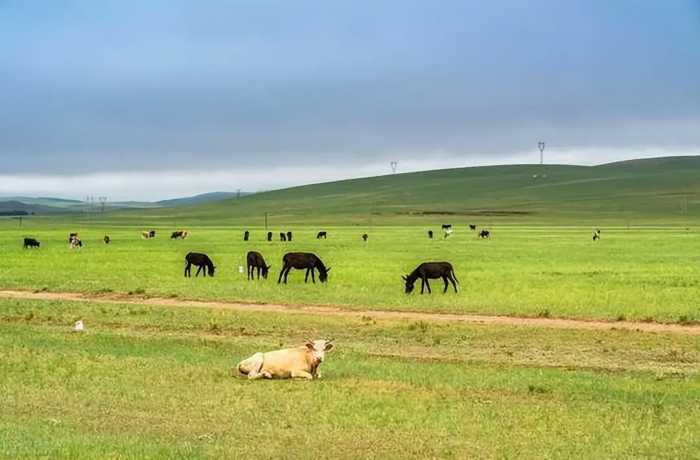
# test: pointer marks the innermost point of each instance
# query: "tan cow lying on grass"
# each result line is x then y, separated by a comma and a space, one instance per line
289, 363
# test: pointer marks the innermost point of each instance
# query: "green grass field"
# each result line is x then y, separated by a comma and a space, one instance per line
154, 382
634, 274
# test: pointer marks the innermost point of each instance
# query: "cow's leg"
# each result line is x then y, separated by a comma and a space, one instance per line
306, 276
258, 272
427, 284
286, 274
302, 374
422, 285
199, 269
444, 279
188, 270
313, 277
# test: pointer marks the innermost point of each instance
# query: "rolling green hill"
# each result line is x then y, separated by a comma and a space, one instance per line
654, 191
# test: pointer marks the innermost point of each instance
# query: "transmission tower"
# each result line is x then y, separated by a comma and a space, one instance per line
541, 145
393, 165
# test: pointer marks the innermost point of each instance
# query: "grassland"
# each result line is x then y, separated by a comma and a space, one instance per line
154, 382
662, 191
633, 274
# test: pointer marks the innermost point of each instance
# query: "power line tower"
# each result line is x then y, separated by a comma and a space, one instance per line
103, 203
393, 165
541, 145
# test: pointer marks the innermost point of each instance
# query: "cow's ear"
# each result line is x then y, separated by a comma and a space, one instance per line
328, 269
309, 345
329, 347
404, 278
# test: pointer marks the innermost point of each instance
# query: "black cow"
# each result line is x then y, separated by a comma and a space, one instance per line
283, 236
303, 260
430, 234
431, 270
269, 236
320, 235
31, 243
472, 227
107, 239
446, 226
246, 235
365, 237
202, 261
484, 234
289, 236
255, 261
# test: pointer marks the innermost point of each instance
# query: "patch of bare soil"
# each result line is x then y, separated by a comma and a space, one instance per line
375, 314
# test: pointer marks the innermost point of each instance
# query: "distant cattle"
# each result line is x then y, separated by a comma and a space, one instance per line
179, 234
269, 236
255, 262
31, 243
202, 261
365, 237
320, 235
75, 242
472, 227
148, 234
303, 260
300, 362
484, 234
430, 234
431, 270
71, 236
289, 236
446, 226
447, 232
107, 239
283, 236
246, 235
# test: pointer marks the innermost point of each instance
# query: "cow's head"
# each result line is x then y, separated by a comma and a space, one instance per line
323, 275
266, 270
409, 284
212, 268
319, 348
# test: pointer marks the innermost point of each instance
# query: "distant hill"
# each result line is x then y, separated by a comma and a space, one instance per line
199, 199
17, 205
658, 190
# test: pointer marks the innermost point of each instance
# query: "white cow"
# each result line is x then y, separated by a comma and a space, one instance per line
300, 362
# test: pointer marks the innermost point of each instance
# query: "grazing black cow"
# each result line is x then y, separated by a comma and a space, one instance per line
31, 243
269, 236
246, 235
283, 236
255, 261
484, 234
289, 236
202, 261
301, 260
365, 237
431, 270
472, 227
320, 235
430, 234
107, 239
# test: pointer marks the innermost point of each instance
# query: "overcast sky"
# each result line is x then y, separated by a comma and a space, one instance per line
153, 99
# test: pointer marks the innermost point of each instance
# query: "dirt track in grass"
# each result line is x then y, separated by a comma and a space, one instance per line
558, 323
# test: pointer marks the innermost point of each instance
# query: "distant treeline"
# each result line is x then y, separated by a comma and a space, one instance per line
15, 213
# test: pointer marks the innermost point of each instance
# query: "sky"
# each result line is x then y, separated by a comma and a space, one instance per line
151, 100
